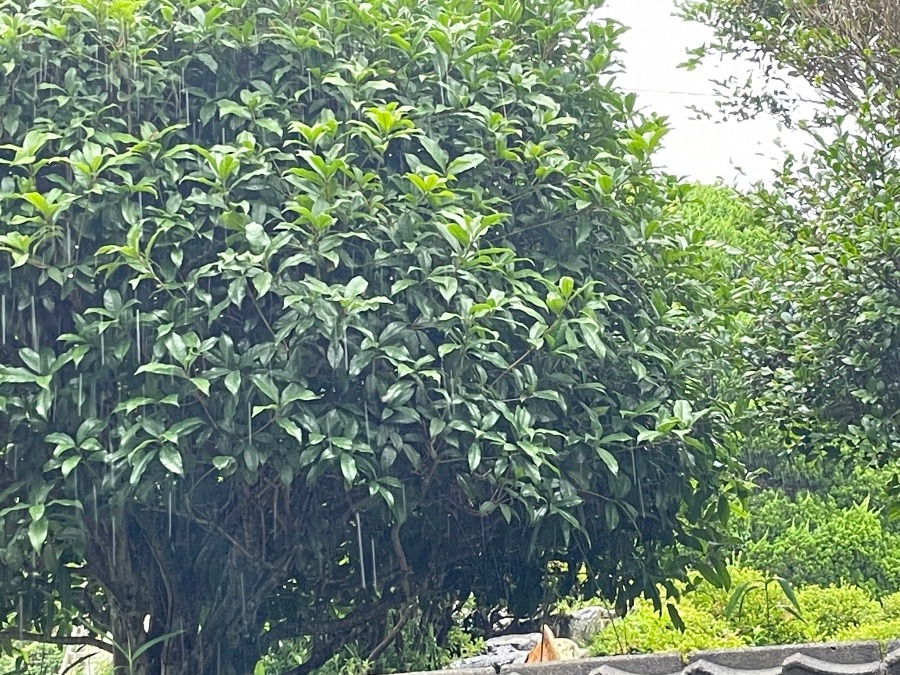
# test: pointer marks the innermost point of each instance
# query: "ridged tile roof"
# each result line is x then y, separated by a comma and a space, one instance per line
839, 658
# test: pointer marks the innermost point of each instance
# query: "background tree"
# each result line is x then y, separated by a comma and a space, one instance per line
845, 49
318, 317
824, 352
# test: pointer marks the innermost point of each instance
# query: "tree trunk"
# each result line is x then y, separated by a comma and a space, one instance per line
169, 614
219, 647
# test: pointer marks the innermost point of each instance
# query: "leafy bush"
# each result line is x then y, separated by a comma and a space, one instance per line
727, 221
836, 609
755, 611
881, 630
890, 606
31, 658
644, 629
811, 540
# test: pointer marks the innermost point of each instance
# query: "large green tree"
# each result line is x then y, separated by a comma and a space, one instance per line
315, 315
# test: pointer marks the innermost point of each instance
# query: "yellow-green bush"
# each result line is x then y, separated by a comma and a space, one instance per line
643, 629
890, 606
881, 630
762, 613
813, 540
756, 610
836, 609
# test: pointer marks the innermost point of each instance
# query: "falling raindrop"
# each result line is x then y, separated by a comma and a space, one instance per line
181, 633
21, 616
80, 392
102, 349
96, 519
249, 423
274, 513
187, 100
640, 490
218, 659
362, 558
366, 413
374, 567
68, 244
177, 85
34, 329
243, 601
346, 351
452, 392
137, 83
3, 316
137, 332
141, 204
263, 537
170, 512
113, 525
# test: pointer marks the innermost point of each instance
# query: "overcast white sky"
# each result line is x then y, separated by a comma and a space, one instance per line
740, 153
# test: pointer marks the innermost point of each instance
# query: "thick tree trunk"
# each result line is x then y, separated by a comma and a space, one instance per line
221, 646
199, 623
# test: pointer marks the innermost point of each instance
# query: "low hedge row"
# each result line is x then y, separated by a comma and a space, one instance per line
757, 610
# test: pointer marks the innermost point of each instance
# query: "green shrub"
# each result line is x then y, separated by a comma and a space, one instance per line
31, 658
829, 611
890, 606
643, 629
880, 630
762, 613
811, 540
756, 610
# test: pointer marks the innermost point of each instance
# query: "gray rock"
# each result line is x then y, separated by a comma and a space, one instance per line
501, 651
521, 641
491, 661
644, 664
586, 622
892, 658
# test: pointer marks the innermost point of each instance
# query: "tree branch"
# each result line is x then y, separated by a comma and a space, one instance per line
14, 634
391, 635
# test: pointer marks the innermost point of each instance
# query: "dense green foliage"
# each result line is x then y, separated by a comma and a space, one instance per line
822, 360
812, 540
764, 615
33, 659
316, 317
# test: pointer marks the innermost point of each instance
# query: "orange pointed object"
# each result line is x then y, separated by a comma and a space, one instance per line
543, 650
